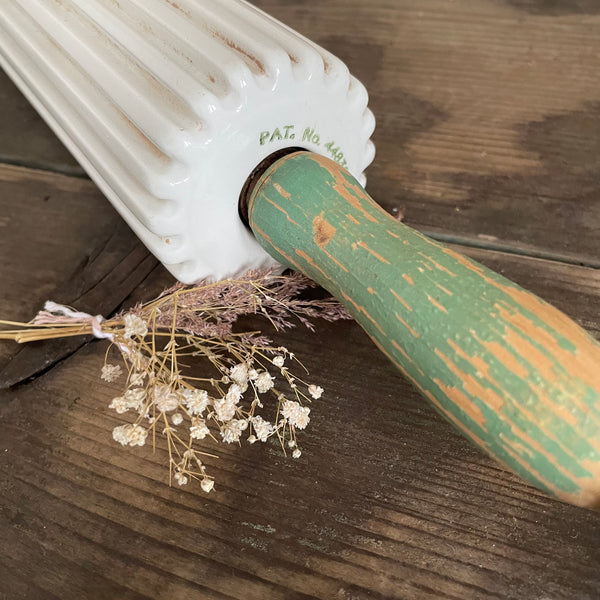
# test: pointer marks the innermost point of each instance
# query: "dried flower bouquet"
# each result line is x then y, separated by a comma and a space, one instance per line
158, 342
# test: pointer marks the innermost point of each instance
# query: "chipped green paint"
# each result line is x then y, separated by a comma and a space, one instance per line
514, 374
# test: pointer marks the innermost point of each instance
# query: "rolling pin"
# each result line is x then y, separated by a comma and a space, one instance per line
228, 141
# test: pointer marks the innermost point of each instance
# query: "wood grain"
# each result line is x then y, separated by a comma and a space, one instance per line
61, 241
386, 501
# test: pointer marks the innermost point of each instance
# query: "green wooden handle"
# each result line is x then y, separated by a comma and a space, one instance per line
514, 374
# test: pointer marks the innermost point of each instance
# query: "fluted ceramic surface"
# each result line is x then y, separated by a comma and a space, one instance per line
170, 105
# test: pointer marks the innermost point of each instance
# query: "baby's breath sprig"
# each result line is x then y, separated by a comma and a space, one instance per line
164, 396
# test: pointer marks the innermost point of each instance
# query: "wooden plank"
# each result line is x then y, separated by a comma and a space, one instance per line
60, 240
488, 114
488, 133
386, 501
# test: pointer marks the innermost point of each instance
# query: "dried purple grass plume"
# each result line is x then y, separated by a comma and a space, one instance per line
160, 341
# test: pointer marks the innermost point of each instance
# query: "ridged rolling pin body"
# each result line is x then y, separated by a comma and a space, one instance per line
514, 374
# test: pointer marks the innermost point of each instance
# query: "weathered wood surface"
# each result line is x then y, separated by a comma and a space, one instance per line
489, 107
61, 240
386, 502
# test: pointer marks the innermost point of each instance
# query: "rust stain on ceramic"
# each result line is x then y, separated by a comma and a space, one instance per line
258, 66
145, 140
178, 8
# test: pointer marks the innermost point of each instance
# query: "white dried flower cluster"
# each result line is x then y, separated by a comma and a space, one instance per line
134, 326
239, 374
264, 382
180, 478
132, 399
296, 414
165, 398
165, 395
199, 430
315, 391
196, 401
130, 435
224, 409
234, 393
110, 373
167, 402
233, 430
262, 428
137, 379
207, 484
